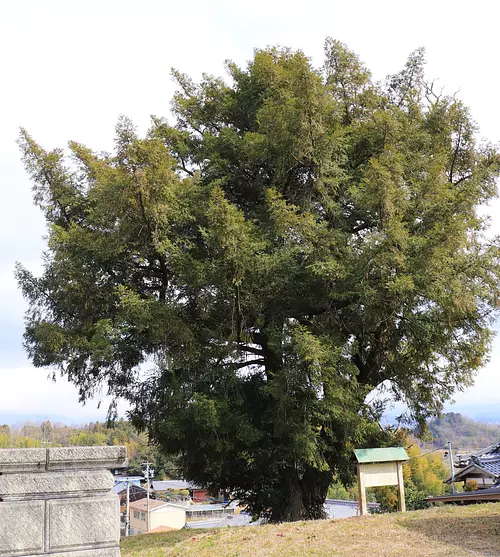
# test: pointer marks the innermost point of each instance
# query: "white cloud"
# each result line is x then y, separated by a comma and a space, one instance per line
30, 391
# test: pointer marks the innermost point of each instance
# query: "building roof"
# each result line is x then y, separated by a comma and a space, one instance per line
492, 451
120, 487
119, 478
471, 469
117, 488
387, 454
491, 494
159, 529
173, 484
485, 461
490, 465
178, 505
142, 505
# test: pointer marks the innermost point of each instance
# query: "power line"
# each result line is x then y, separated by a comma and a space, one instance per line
446, 447
425, 454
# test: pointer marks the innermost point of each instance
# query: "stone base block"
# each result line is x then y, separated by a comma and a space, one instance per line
55, 484
84, 458
59, 502
21, 528
83, 523
107, 552
22, 460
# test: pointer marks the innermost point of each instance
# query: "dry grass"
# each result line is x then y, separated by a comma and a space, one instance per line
447, 531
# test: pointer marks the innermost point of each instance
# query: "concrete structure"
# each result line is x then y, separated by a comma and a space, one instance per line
163, 517
59, 502
377, 467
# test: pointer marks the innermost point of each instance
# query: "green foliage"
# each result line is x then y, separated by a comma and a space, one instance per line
471, 485
86, 439
423, 474
122, 432
338, 491
296, 240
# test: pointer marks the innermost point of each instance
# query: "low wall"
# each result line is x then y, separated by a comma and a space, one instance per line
59, 502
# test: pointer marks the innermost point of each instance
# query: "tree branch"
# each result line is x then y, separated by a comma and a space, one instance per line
250, 349
259, 362
462, 179
183, 166
455, 154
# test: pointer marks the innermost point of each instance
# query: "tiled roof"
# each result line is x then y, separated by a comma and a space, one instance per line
119, 488
491, 451
491, 465
159, 529
119, 478
490, 494
142, 504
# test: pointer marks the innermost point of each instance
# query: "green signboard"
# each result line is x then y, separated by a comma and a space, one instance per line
388, 454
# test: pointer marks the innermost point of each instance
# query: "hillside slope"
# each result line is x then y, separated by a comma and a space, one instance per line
439, 532
463, 432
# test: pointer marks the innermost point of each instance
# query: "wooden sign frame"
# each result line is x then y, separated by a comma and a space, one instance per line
380, 467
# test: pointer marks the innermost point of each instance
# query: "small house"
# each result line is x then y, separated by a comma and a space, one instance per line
481, 466
162, 517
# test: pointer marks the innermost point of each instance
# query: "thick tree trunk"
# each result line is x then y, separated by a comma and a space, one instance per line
315, 486
304, 498
292, 506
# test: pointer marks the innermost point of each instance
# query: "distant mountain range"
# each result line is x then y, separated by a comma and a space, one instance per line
21, 418
484, 413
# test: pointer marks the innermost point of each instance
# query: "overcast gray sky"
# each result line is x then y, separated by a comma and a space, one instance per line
70, 68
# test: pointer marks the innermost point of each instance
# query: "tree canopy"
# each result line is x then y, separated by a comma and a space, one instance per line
297, 239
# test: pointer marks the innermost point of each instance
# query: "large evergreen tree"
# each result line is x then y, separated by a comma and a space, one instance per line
298, 239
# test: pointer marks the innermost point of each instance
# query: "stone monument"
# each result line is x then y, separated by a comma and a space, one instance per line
59, 501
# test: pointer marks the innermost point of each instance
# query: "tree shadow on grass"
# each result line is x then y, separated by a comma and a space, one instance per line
479, 533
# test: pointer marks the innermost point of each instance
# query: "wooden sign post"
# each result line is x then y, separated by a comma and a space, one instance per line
377, 467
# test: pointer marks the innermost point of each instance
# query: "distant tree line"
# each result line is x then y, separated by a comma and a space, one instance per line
139, 449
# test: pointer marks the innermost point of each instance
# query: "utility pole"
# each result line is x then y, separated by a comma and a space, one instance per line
127, 511
149, 473
128, 481
452, 468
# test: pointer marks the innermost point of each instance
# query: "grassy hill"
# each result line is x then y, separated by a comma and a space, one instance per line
458, 531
